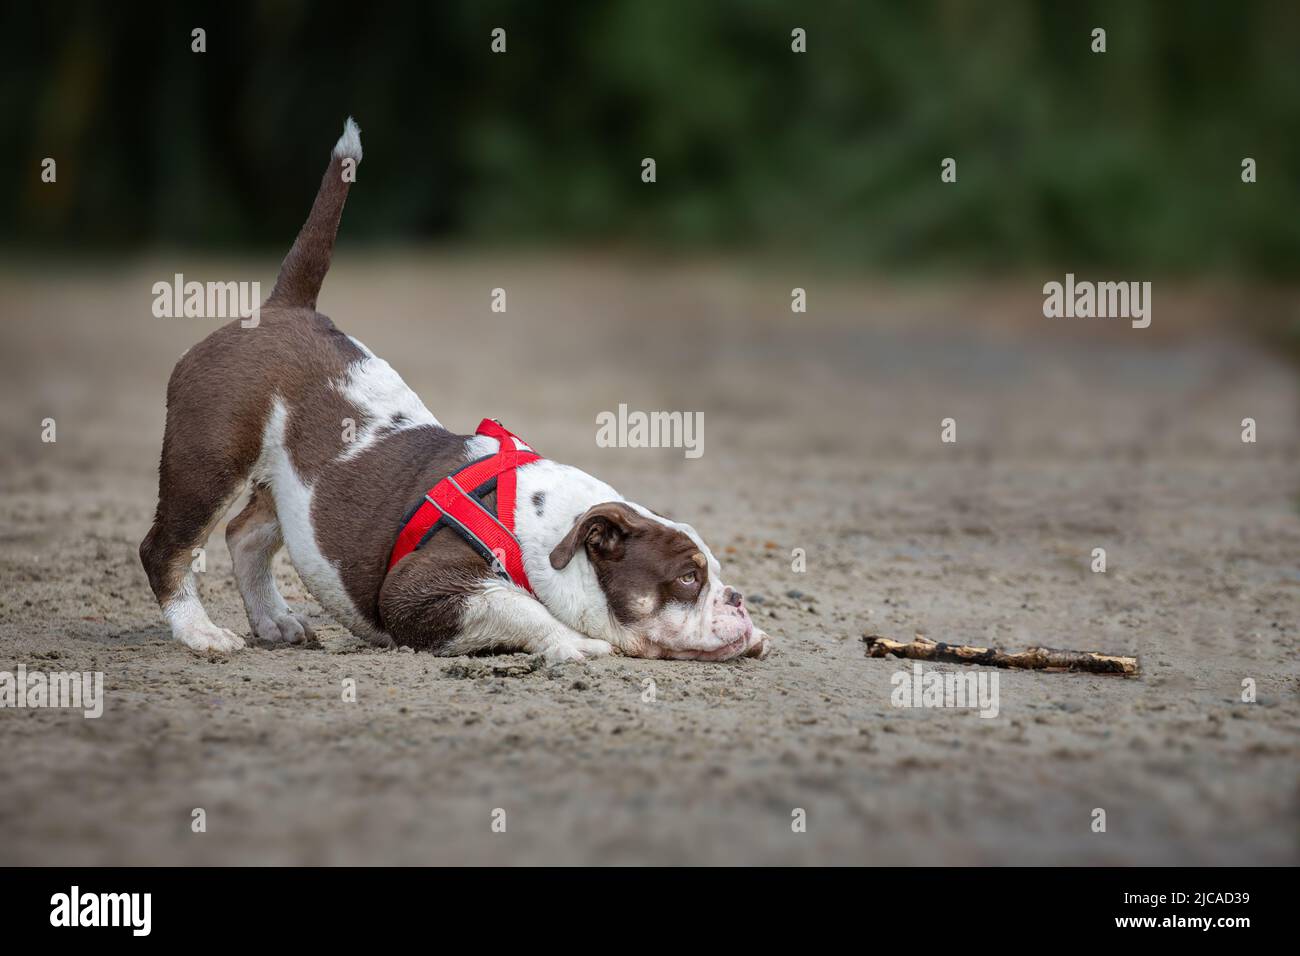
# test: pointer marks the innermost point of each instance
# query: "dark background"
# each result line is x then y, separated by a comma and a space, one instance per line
1128, 159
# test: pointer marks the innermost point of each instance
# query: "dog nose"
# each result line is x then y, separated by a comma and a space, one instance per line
733, 597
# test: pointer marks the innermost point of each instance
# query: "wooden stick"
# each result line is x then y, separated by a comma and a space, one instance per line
1035, 658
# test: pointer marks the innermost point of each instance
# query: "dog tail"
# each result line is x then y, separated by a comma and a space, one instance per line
304, 268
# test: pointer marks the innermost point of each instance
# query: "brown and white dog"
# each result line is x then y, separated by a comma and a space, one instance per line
262, 409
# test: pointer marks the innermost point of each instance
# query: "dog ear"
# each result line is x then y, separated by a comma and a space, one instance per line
602, 531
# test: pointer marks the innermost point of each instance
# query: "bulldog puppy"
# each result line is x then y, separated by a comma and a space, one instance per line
266, 410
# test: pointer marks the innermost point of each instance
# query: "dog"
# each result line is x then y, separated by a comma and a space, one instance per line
538, 557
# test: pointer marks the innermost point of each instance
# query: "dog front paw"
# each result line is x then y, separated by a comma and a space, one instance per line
761, 645
565, 650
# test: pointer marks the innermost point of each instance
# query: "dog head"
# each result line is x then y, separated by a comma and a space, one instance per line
662, 584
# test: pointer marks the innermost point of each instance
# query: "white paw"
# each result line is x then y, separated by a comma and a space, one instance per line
206, 637
561, 654
288, 628
594, 647
575, 649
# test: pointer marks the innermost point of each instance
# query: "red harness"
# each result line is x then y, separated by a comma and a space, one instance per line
457, 502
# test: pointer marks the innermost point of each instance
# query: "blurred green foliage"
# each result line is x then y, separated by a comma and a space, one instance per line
1130, 158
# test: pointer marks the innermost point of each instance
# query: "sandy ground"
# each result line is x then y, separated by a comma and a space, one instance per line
821, 433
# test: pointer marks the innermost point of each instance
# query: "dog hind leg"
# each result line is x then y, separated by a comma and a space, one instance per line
182, 525
254, 539
202, 472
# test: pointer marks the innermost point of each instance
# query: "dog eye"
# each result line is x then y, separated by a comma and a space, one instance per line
688, 578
